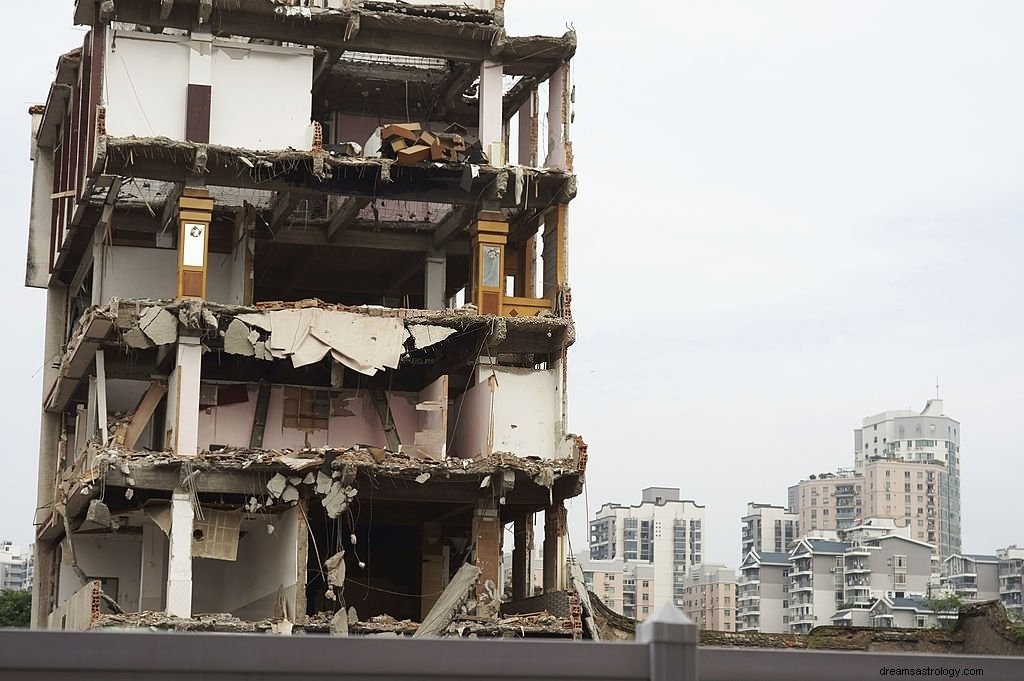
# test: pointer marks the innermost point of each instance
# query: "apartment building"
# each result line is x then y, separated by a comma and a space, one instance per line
762, 593
895, 476
768, 528
710, 597
930, 492
972, 577
294, 332
1011, 578
827, 502
815, 583
891, 565
15, 567
625, 587
663, 530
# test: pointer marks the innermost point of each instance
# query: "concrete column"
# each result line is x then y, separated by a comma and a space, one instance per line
200, 59
435, 274
487, 530
49, 437
179, 559
554, 532
522, 572
183, 398
528, 131
559, 94
37, 273
491, 131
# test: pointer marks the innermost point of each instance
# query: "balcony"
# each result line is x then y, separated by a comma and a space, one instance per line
856, 567
799, 587
858, 551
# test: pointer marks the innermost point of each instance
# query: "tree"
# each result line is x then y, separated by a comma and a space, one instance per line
15, 609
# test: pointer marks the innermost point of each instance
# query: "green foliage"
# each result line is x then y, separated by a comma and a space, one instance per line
950, 603
15, 609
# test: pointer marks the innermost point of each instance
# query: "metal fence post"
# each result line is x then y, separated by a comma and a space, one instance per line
671, 638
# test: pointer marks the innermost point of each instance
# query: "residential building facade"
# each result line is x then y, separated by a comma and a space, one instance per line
768, 528
710, 597
972, 577
816, 583
762, 593
663, 530
1011, 578
283, 318
16, 567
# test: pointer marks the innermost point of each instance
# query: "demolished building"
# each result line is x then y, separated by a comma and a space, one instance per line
308, 317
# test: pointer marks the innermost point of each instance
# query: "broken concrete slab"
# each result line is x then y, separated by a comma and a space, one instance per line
424, 335
159, 325
277, 484
237, 340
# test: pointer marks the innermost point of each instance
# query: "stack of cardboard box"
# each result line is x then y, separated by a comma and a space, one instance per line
409, 143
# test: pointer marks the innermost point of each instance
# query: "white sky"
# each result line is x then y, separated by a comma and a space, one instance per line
791, 215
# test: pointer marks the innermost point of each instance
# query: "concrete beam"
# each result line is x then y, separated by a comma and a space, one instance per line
344, 216
455, 222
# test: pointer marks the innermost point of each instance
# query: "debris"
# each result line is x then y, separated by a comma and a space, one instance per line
290, 494
98, 516
237, 340
215, 534
339, 624
448, 604
486, 482
422, 478
423, 335
129, 493
323, 483
159, 325
277, 484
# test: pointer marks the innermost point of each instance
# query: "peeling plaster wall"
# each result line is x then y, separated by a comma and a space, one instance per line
247, 587
527, 403
134, 272
232, 424
106, 556
518, 414
146, 87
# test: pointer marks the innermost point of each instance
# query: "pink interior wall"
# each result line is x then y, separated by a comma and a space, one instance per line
472, 417
232, 424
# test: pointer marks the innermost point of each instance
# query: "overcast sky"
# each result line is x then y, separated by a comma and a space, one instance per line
791, 215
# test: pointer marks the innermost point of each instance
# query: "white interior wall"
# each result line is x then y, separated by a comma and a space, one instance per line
135, 272
248, 586
527, 410
243, 112
146, 85
106, 555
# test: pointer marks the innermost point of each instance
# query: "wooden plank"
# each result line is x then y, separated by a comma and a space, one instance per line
197, 115
144, 412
